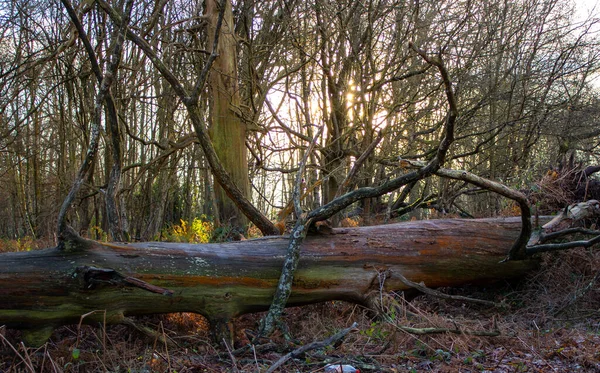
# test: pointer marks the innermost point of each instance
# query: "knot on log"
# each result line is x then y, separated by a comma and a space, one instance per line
94, 276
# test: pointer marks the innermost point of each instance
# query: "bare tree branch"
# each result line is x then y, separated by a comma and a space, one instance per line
517, 251
201, 82
338, 204
197, 117
425, 290
358, 164
545, 237
535, 249
102, 96
303, 222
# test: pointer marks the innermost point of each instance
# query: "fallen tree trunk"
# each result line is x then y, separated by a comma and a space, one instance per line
41, 290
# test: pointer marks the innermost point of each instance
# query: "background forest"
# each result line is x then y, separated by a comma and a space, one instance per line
133, 120
523, 72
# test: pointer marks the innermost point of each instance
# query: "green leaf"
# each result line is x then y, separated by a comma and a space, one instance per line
75, 353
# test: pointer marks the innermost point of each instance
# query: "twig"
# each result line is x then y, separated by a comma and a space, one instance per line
579, 294
233, 361
299, 174
349, 180
262, 348
419, 202
46, 353
424, 289
255, 359
164, 335
81, 322
409, 74
423, 331
144, 330
104, 336
311, 346
26, 353
453, 113
6, 342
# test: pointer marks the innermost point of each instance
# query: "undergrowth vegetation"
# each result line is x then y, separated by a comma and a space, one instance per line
199, 230
26, 243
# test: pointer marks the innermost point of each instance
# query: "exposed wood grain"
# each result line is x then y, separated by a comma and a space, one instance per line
48, 288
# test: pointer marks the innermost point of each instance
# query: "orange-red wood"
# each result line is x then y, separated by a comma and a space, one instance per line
43, 289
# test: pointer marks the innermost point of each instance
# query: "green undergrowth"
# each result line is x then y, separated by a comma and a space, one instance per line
26, 243
199, 230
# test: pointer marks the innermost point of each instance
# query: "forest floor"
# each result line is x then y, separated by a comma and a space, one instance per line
550, 323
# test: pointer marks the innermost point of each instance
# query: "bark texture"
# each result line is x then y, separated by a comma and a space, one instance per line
227, 131
44, 289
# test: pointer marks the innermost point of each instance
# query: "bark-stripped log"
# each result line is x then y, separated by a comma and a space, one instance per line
41, 290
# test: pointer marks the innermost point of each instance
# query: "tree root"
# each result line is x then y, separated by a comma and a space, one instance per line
424, 289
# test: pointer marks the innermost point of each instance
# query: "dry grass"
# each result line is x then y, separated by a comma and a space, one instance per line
555, 190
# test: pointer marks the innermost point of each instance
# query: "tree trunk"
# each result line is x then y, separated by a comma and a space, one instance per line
227, 131
44, 289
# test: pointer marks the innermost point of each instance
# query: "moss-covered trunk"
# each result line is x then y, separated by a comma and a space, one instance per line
227, 131
41, 290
